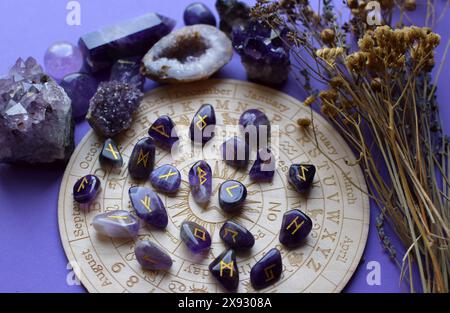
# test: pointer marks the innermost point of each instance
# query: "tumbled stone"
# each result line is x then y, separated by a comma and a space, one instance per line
36, 124
263, 168
151, 257
142, 159
224, 269
256, 128
61, 59
200, 181
163, 131
203, 124
236, 236
267, 271
130, 38
111, 108
198, 13
80, 88
295, 227
188, 54
196, 237
110, 155
301, 176
116, 224
128, 71
233, 14
166, 179
148, 206
232, 195
86, 189
235, 152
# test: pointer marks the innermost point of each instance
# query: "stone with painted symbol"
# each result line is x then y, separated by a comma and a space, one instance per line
232, 195
195, 236
203, 124
301, 176
236, 236
148, 206
235, 152
116, 224
110, 155
264, 166
267, 271
200, 181
256, 128
163, 132
86, 189
224, 269
166, 179
295, 227
151, 257
142, 159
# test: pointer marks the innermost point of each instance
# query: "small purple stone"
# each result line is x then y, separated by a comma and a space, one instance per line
166, 179
163, 131
295, 227
256, 127
80, 88
301, 176
142, 159
236, 152
198, 13
232, 195
203, 124
86, 189
61, 59
200, 180
128, 71
267, 271
236, 236
151, 257
148, 206
196, 237
225, 269
116, 224
264, 167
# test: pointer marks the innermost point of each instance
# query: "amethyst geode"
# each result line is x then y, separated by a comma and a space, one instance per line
36, 123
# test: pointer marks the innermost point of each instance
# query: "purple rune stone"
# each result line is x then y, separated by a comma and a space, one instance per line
152, 257
148, 206
61, 59
130, 38
295, 227
128, 71
236, 152
232, 195
236, 236
233, 13
203, 124
267, 271
301, 176
163, 131
80, 88
196, 237
200, 180
198, 13
263, 168
110, 155
86, 189
224, 268
256, 127
166, 179
116, 224
142, 159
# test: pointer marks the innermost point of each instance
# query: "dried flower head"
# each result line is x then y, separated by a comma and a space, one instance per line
327, 35
304, 122
309, 101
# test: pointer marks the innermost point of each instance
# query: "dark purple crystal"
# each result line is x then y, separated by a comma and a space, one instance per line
264, 166
235, 152
151, 257
196, 237
233, 14
149, 206
236, 236
224, 268
128, 71
142, 159
203, 124
80, 88
198, 13
86, 188
163, 131
200, 181
166, 179
267, 271
301, 176
256, 128
295, 228
232, 195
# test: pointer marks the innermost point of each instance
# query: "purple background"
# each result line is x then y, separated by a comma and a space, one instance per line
31, 255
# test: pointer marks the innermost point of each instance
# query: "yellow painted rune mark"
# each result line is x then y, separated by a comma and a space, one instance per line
228, 189
297, 226
269, 273
226, 266
202, 175
82, 185
303, 175
143, 158
233, 233
165, 176
200, 234
149, 259
118, 217
146, 202
201, 124
113, 152
160, 130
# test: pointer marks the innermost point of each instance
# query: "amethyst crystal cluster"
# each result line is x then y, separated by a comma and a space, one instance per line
35, 117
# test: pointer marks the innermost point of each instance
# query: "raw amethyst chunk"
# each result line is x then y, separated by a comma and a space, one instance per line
80, 88
198, 13
233, 13
128, 71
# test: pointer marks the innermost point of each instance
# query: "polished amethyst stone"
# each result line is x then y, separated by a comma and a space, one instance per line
236, 236
224, 268
200, 181
233, 14
110, 155
267, 271
116, 224
203, 124
256, 127
152, 257
127, 39
236, 152
86, 189
142, 159
198, 13
148, 206
80, 88
263, 52
163, 131
232, 195
295, 227
128, 71
61, 59
301, 176
263, 168
166, 179
196, 237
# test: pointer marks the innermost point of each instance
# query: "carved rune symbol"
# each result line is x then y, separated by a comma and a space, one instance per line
297, 226
302, 176
161, 130
226, 266
202, 175
232, 232
228, 189
268, 272
166, 176
149, 259
146, 202
201, 124
113, 152
200, 234
118, 217
82, 185
143, 158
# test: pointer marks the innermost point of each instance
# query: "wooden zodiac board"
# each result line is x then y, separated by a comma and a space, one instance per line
337, 203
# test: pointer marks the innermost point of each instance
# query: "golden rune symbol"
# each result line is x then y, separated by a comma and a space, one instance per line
200, 234
226, 266
269, 273
303, 175
233, 233
146, 202
166, 176
113, 152
118, 217
161, 130
82, 185
143, 158
202, 175
201, 124
297, 226
149, 259
228, 189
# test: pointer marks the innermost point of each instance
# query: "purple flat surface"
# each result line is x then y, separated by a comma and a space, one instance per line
31, 255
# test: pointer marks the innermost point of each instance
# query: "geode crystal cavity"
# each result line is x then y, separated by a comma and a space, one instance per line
188, 54
36, 123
